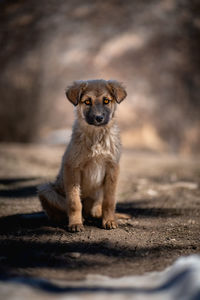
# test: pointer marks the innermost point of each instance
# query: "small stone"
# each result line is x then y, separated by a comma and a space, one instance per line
74, 254
152, 193
173, 240
191, 222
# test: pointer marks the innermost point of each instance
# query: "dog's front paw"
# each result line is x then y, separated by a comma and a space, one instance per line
76, 227
109, 224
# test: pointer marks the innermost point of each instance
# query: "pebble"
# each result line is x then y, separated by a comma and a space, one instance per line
74, 254
191, 222
152, 193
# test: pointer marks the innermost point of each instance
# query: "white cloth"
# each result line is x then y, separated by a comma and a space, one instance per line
181, 281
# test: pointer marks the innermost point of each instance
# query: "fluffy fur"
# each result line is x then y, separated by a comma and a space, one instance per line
87, 179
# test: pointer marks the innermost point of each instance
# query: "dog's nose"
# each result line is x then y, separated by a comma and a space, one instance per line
99, 119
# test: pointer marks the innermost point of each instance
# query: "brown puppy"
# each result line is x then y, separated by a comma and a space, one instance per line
88, 176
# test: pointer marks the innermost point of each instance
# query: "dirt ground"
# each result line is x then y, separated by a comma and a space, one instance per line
160, 191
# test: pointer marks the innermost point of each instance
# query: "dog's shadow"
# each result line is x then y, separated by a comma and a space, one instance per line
38, 221
24, 222
32, 241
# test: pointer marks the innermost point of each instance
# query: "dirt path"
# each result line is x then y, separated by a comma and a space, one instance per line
161, 192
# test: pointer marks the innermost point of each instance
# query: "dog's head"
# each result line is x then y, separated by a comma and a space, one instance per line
96, 100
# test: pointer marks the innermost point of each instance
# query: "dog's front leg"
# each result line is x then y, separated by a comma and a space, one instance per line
108, 207
72, 190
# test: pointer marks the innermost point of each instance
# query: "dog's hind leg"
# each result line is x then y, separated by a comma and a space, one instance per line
92, 206
52, 202
90, 209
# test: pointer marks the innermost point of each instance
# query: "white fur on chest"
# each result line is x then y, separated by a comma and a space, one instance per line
93, 175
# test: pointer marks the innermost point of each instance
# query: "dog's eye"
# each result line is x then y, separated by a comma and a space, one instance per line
106, 100
88, 101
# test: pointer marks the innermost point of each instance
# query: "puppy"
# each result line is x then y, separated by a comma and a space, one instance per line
87, 179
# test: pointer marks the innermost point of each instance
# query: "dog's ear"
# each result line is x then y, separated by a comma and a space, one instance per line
117, 90
74, 91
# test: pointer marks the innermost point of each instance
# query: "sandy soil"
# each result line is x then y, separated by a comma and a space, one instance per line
160, 191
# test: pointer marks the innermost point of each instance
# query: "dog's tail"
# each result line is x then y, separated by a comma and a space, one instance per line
122, 216
52, 202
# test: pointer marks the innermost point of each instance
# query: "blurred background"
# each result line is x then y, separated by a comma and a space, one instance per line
152, 46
